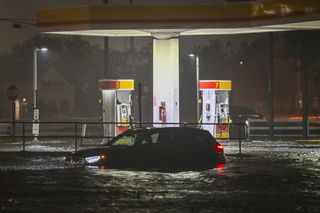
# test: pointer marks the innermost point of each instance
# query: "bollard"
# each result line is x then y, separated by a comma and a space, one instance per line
240, 139
247, 129
23, 138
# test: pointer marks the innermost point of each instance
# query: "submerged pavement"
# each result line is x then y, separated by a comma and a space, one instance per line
280, 176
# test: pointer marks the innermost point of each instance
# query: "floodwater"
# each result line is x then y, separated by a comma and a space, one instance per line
268, 177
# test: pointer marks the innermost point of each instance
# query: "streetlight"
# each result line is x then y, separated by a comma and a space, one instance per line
197, 82
35, 124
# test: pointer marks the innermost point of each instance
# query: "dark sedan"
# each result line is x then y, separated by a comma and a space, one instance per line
169, 147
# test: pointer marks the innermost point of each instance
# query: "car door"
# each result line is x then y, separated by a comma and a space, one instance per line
123, 152
173, 147
201, 147
149, 149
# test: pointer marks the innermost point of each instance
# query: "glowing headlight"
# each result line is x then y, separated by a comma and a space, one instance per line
93, 159
96, 158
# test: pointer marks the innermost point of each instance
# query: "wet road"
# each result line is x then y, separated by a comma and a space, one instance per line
269, 177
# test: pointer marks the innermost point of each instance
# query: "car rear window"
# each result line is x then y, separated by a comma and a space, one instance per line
190, 137
202, 137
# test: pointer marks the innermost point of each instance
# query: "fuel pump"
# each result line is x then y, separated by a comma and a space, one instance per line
123, 112
215, 106
116, 105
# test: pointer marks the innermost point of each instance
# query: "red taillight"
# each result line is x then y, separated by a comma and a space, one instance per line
219, 147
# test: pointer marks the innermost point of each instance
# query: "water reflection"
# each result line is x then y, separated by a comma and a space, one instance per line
220, 168
285, 180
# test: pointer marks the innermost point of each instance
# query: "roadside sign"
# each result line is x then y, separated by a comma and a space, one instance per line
35, 129
12, 93
36, 114
35, 125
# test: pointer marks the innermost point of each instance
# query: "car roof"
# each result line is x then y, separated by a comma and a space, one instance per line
168, 129
165, 130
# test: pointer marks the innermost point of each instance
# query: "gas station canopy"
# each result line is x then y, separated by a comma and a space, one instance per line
166, 23
163, 21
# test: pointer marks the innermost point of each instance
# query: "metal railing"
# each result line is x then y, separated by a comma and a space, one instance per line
91, 133
259, 128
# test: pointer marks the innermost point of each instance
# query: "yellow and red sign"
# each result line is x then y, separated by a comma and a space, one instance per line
215, 84
121, 84
222, 131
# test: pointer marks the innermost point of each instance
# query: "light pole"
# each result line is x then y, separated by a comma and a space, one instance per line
35, 124
197, 82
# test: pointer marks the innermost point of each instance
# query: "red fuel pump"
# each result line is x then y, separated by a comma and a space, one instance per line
163, 112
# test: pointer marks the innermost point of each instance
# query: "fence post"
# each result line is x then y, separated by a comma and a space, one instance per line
23, 137
13, 120
308, 128
140, 104
75, 136
247, 127
83, 133
240, 139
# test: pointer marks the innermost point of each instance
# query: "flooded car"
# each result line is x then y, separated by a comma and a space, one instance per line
170, 147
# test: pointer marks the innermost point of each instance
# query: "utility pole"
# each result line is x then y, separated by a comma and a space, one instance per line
303, 76
131, 38
304, 90
106, 52
35, 122
271, 87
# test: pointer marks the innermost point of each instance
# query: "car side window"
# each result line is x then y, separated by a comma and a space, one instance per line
155, 138
200, 139
146, 139
126, 140
150, 139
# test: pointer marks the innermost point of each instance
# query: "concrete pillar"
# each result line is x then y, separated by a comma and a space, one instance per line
166, 80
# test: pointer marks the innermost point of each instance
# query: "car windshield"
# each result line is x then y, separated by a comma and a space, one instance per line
127, 139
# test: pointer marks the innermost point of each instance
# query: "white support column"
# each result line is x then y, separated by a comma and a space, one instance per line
166, 79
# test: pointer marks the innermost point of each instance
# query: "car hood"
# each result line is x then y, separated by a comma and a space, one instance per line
93, 151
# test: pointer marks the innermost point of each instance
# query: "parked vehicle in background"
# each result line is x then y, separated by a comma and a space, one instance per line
170, 147
240, 114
